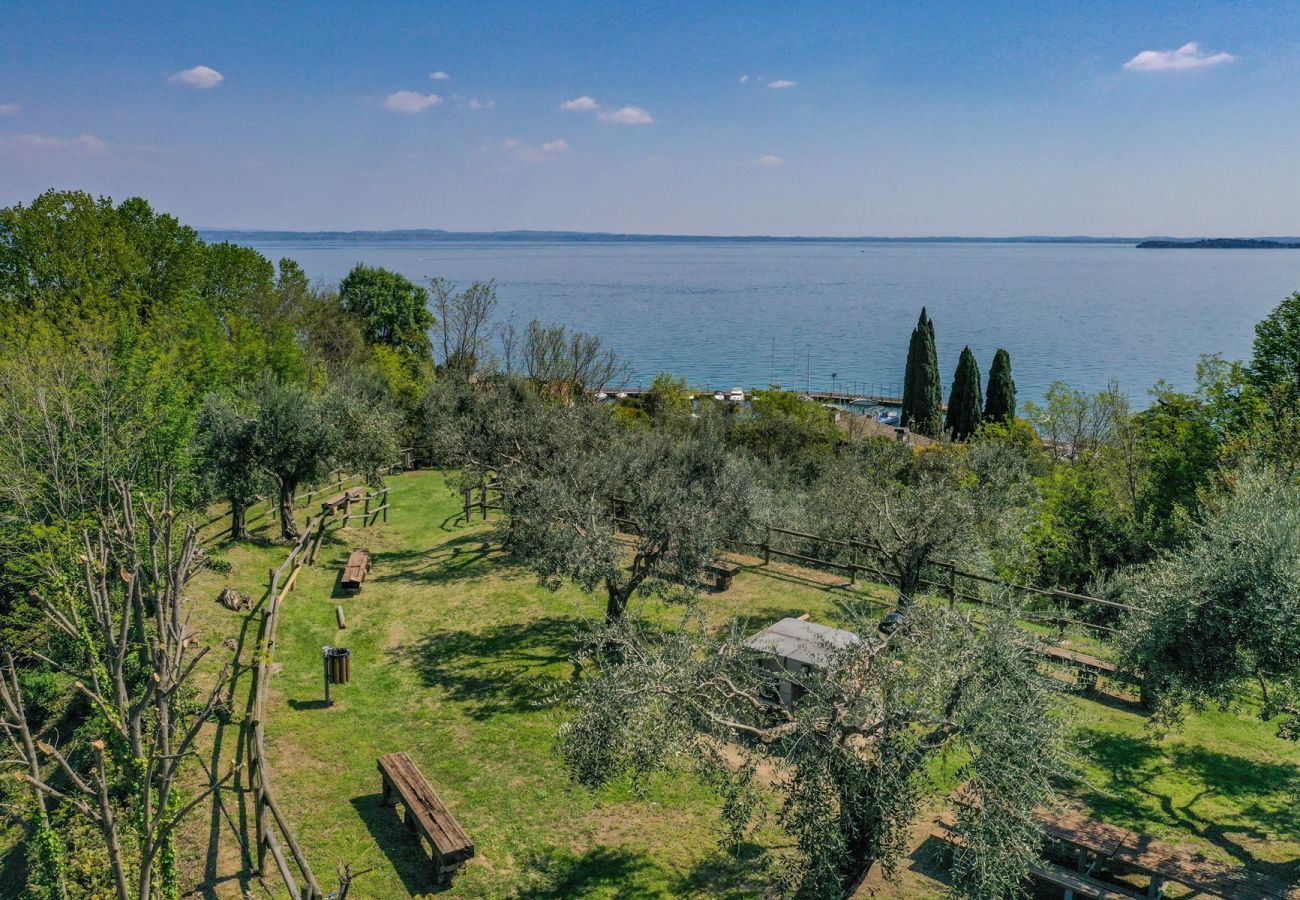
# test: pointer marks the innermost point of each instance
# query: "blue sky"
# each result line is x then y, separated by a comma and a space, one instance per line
900, 118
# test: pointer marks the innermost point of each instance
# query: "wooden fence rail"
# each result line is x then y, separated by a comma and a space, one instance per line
950, 585
273, 831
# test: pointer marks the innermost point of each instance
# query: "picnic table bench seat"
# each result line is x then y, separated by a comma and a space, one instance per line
356, 570
723, 572
1088, 667
1075, 883
351, 495
1102, 843
450, 846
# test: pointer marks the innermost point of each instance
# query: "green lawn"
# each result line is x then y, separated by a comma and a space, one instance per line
456, 656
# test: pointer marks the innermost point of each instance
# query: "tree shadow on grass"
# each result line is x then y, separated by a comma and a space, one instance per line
467, 556
1260, 790
513, 667
632, 872
405, 849
613, 871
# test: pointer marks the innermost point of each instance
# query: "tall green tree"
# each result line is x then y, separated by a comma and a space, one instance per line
922, 391
965, 398
1000, 399
1222, 612
296, 442
392, 309
1276, 360
228, 456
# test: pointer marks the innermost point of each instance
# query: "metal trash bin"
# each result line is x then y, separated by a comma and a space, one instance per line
338, 665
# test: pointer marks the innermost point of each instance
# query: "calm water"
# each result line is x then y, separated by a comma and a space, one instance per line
746, 314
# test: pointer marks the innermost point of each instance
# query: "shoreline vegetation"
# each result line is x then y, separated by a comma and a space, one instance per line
1221, 244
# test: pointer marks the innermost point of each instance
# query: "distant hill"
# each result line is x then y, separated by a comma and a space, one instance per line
1220, 244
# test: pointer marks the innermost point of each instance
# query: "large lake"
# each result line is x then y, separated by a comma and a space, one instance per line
727, 314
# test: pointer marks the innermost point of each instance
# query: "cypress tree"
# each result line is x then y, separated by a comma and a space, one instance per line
966, 398
1000, 405
922, 393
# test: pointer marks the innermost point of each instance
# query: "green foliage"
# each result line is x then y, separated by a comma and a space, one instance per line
391, 308
45, 875
668, 398
1224, 609
965, 398
681, 499
1000, 399
1276, 360
853, 751
922, 392
781, 426
229, 455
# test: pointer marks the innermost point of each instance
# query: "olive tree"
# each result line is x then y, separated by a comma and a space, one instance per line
849, 762
944, 503
1223, 610
228, 456
636, 513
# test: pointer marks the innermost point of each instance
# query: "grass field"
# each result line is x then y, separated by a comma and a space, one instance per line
456, 655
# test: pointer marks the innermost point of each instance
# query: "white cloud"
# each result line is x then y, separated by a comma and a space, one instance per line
439, 75
767, 159
201, 77
580, 104
781, 83
1188, 56
10, 109
744, 79
627, 115
525, 153
410, 101
38, 148
476, 103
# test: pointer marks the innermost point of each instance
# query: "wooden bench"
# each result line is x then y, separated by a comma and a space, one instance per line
722, 573
356, 570
1087, 667
351, 495
450, 846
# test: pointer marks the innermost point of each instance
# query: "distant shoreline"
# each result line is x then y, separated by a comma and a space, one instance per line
438, 235
1221, 244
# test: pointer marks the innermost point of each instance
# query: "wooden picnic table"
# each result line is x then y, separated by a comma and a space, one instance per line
1098, 843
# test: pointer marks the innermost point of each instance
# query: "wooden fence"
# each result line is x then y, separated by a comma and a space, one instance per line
952, 582
273, 831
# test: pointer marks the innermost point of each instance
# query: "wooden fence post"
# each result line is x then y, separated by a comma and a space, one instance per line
952, 583
767, 547
384, 503
482, 498
853, 566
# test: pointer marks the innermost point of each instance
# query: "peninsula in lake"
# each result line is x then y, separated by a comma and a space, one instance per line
1221, 244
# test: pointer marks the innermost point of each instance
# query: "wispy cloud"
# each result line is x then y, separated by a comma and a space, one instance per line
10, 109
201, 77
627, 115
476, 103
624, 115
744, 79
439, 75
39, 148
529, 154
1188, 56
768, 159
781, 83
410, 102
580, 104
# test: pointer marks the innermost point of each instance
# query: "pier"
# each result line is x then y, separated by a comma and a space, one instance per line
876, 396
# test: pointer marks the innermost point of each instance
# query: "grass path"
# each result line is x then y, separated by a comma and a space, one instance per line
455, 654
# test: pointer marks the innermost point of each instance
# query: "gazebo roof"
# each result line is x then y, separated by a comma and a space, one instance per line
802, 641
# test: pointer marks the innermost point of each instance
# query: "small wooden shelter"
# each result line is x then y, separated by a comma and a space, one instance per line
797, 646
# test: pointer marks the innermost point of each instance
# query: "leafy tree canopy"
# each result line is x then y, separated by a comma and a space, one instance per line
392, 309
